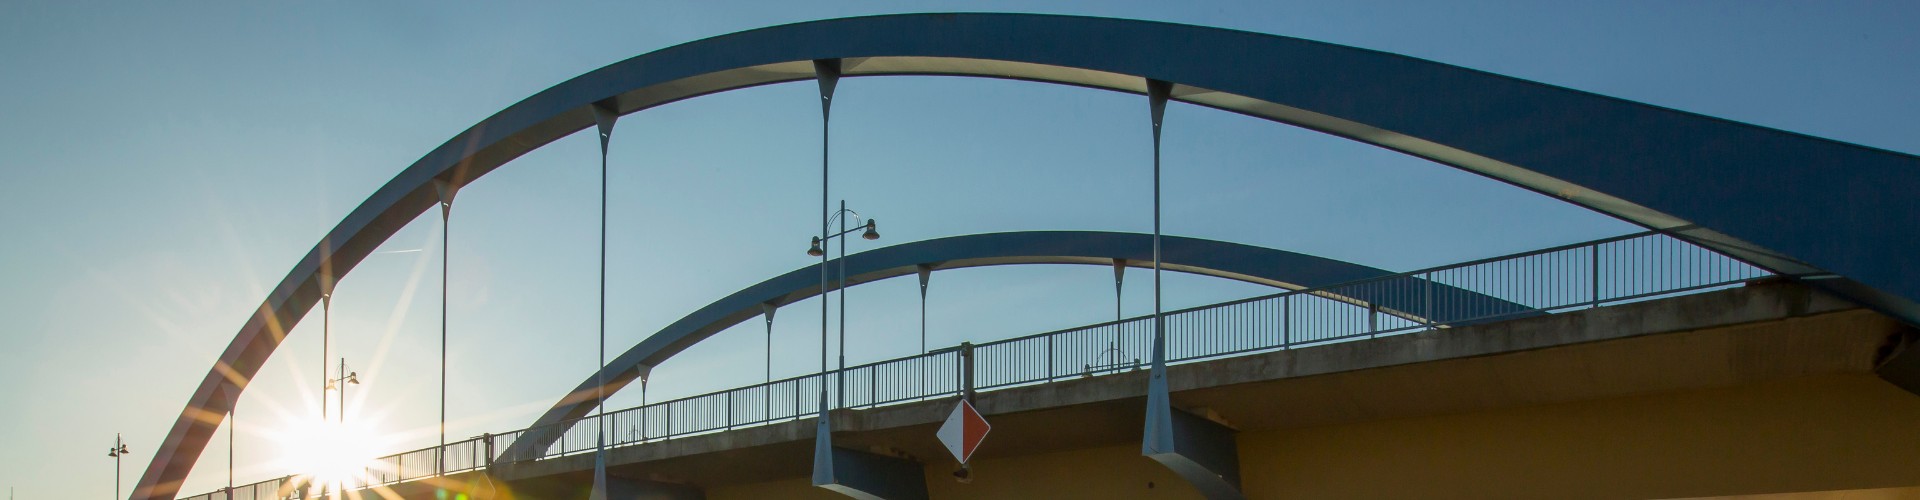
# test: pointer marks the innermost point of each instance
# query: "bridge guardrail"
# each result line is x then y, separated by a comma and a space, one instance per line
1613, 270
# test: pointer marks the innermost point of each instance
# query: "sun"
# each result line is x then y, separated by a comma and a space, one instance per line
332, 453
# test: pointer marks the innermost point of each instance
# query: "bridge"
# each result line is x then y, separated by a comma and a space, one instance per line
1776, 275
1451, 304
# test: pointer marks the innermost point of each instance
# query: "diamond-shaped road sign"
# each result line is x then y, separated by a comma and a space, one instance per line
963, 431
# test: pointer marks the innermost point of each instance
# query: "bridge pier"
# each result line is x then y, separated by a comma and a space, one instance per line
1899, 362
872, 476
1201, 451
571, 488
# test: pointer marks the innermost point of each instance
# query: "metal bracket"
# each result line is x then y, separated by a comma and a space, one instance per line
445, 189
605, 113
1157, 94
1119, 284
828, 72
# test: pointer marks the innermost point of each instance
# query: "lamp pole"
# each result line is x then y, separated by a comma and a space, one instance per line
346, 377
343, 388
871, 232
840, 287
119, 449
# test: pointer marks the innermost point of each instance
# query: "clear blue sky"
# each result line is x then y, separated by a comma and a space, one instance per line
162, 164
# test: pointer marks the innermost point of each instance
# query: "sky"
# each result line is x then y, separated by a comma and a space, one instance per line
163, 164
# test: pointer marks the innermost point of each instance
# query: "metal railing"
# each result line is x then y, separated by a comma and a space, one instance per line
276, 488
1613, 270
462, 456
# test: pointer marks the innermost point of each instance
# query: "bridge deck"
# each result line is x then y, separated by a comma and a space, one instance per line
1764, 332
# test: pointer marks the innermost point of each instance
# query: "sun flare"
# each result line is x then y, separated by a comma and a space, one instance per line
331, 453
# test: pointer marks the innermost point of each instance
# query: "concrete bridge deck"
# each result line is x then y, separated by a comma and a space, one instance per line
1762, 389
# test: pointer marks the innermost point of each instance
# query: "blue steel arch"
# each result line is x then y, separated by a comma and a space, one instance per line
1834, 213
1252, 264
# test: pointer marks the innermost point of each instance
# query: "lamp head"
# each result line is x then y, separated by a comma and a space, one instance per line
353, 378
871, 234
815, 249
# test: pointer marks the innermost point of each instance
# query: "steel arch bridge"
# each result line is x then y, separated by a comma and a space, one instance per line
1831, 214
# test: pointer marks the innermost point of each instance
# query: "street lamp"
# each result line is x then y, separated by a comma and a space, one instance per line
346, 377
818, 249
119, 449
871, 234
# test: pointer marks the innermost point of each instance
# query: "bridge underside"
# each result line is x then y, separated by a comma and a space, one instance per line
1765, 389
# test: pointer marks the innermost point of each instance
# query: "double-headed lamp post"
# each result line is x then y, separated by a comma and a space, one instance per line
819, 250
346, 377
118, 450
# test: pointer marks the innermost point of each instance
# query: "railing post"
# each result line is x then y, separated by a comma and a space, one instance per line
667, 433
873, 386
1593, 274
1286, 321
1049, 358
488, 437
966, 370
1429, 299
1373, 319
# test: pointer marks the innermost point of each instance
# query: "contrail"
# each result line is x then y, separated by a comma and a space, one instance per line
412, 250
